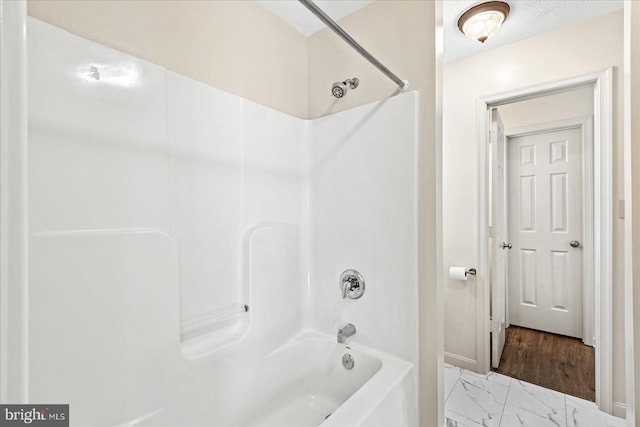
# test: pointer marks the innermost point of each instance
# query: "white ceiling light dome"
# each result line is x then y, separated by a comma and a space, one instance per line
483, 20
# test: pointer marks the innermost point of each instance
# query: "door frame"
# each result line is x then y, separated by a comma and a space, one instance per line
602, 84
585, 124
498, 203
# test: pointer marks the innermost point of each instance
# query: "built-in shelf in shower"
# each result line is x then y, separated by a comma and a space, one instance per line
213, 321
214, 329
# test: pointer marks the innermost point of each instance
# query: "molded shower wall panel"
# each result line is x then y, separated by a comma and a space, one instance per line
275, 165
206, 194
97, 148
233, 164
107, 329
144, 211
363, 215
103, 308
276, 169
274, 269
221, 389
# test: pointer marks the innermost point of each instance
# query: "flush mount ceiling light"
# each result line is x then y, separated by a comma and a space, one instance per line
483, 20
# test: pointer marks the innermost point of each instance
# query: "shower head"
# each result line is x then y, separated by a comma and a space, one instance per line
339, 89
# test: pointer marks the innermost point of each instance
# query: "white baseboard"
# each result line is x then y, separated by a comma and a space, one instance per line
461, 361
620, 409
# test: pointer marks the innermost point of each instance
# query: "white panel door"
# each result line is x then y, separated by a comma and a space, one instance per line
498, 221
545, 227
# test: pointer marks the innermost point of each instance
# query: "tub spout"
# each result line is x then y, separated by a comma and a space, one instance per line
346, 332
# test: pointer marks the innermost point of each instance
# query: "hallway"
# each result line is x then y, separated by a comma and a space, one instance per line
552, 361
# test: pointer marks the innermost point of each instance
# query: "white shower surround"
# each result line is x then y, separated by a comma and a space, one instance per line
155, 198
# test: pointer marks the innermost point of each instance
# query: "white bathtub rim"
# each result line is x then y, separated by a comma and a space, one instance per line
364, 401
355, 410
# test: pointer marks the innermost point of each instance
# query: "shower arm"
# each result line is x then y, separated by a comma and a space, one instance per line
402, 84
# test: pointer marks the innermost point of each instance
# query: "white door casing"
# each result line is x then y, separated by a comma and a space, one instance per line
499, 256
545, 216
599, 263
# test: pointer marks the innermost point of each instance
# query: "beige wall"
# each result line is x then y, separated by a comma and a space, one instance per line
237, 46
401, 34
392, 32
563, 53
547, 109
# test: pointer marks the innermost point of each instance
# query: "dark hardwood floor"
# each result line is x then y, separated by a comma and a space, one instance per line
552, 361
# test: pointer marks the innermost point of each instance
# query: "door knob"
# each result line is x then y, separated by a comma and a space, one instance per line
506, 245
574, 243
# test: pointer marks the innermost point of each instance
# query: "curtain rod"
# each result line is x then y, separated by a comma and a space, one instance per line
402, 84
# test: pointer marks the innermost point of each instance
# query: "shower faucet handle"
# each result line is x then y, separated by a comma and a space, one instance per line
351, 284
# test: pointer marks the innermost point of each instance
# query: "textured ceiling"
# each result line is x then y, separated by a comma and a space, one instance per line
296, 15
527, 18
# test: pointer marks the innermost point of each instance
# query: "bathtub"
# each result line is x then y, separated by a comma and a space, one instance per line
301, 384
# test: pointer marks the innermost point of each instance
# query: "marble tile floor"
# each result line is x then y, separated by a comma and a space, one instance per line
495, 400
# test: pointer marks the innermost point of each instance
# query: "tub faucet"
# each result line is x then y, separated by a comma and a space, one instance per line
346, 332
